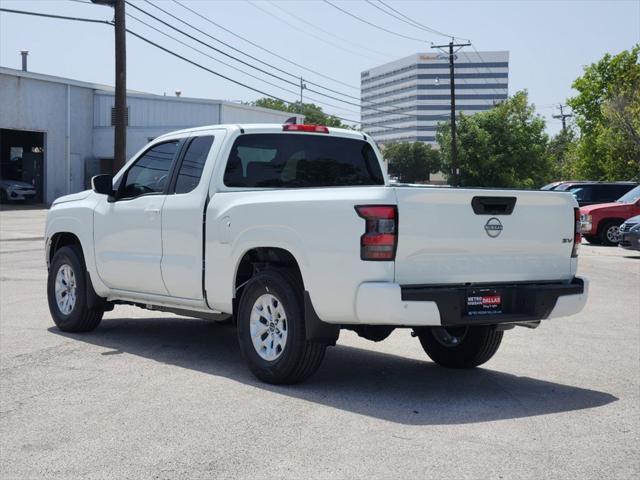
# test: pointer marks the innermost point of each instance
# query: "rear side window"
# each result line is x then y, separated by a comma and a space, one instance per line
297, 161
583, 193
622, 189
193, 163
609, 193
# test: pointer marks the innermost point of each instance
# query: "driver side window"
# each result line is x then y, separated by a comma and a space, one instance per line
150, 173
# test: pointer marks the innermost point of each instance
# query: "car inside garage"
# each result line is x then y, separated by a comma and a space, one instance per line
21, 166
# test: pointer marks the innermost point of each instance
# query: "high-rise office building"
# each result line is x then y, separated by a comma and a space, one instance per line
405, 100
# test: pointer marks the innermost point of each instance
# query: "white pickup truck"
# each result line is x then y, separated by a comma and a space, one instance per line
293, 232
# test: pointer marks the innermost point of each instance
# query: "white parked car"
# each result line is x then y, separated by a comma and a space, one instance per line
295, 233
15, 190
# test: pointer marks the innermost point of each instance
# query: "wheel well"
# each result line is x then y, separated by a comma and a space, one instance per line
604, 221
258, 259
63, 239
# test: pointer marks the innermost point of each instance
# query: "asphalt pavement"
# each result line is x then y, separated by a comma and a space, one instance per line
155, 396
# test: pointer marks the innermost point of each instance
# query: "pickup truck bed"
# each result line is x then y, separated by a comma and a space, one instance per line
295, 232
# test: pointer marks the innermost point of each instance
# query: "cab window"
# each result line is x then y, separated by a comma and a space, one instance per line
193, 163
150, 173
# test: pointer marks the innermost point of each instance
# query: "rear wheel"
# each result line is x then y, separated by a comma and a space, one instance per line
67, 293
460, 347
610, 232
271, 330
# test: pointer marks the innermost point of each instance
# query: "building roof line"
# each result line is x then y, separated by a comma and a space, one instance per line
107, 90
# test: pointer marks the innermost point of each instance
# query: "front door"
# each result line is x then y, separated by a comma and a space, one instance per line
128, 231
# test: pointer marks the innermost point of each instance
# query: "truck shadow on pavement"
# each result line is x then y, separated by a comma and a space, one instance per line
379, 385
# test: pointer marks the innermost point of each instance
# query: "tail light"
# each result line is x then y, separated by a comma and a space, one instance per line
380, 238
577, 237
299, 127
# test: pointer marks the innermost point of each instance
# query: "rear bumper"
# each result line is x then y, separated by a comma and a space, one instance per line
392, 304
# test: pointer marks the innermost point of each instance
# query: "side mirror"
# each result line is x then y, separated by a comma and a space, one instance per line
103, 184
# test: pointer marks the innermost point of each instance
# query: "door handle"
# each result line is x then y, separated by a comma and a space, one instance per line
152, 210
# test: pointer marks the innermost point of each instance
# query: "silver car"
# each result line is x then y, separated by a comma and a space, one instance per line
15, 190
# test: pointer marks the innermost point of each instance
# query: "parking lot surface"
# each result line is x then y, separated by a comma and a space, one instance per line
152, 395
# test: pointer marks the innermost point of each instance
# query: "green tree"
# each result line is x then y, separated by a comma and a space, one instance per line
502, 147
607, 110
412, 162
562, 153
313, 114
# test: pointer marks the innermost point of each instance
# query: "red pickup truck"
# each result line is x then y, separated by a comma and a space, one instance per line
600, 223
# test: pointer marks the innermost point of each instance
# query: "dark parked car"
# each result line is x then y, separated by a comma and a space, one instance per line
591, 193
630, 233
554, 185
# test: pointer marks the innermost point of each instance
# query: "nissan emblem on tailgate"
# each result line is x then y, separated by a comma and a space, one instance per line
493, 227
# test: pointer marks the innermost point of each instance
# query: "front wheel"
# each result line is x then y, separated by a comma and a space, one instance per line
271, 329
460, 347
67, 293
610, 233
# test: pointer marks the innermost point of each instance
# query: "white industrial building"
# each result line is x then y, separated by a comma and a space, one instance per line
405, 100
56, 133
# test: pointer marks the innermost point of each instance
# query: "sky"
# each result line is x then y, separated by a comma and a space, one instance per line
549, 42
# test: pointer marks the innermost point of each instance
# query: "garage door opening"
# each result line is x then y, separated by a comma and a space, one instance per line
21, 166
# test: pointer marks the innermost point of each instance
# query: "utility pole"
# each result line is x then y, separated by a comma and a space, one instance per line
454, 145
120, 107
563, 116
302, 87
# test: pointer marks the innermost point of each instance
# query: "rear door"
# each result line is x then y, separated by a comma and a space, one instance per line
445, 237
182, 215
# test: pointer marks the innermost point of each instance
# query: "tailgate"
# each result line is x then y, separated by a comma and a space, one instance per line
447, 237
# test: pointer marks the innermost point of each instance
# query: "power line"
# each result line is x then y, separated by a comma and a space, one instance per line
265, 49
59, 17
307, 32
196, 64
328, 32
177, 55
224, 63
401, 16
144, 39
247, 63
238, 50
233, 66
408, 22
207, 44
346, 12
207, 55
421, 25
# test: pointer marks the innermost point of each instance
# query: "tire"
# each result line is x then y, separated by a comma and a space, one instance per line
609, 232
467, 347
295, 358
75, 316
592, 239
3, 196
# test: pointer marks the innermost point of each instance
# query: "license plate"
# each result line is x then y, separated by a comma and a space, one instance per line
484, 302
